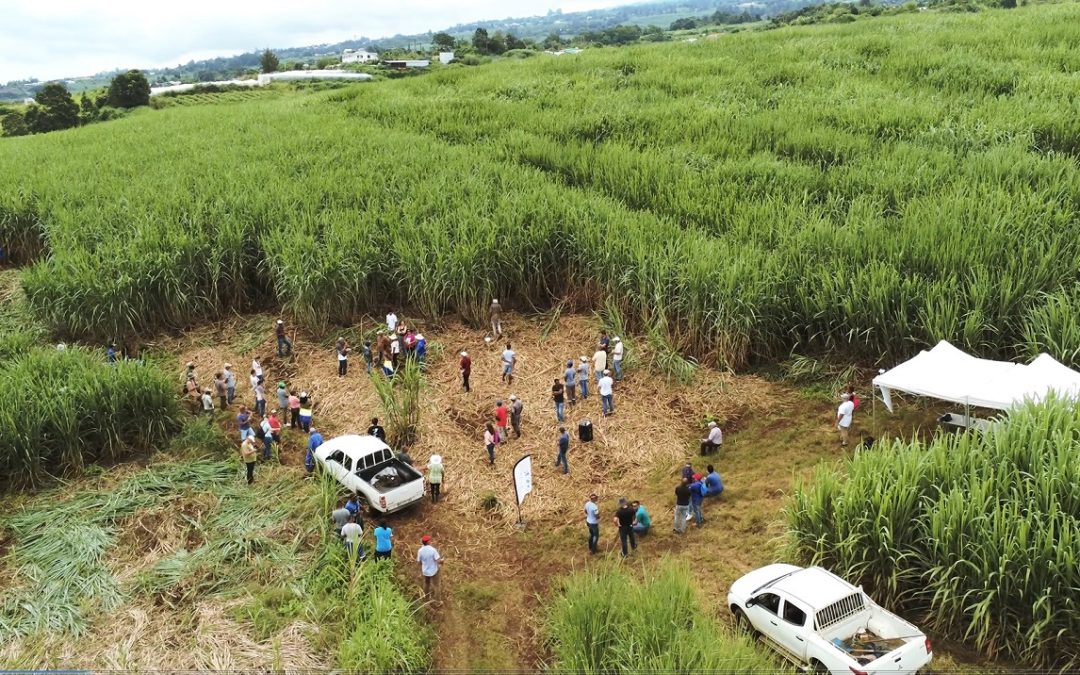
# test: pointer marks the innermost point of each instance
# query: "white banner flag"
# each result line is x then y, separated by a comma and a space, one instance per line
523, 478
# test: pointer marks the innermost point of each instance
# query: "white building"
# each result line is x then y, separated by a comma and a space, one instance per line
446, 57
358, 56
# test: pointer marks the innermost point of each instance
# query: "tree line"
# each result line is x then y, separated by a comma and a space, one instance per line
54, 108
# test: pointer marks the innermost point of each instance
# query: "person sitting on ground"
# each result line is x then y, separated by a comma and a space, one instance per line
642, 519
376, 430
714, 440
713, 485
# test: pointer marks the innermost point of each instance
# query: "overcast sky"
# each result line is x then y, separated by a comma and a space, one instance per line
49, 39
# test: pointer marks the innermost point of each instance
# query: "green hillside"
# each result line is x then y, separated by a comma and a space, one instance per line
871, 186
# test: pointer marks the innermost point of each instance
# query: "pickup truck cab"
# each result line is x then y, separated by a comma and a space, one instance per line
366, 465
822, 623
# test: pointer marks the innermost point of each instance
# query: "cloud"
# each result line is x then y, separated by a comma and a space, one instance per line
50, 39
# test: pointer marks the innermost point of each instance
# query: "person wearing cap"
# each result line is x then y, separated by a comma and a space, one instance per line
275, 425
376, 430
713, 485
429, 560
563, 444
496, 317
592, 521
208, 406
314, 441
583, 377
465, 366
384, 541
221, 390
697, 497
282, 396
435, 473
305, 412
570, 382
616, 357
516, 408
713, 441
342, 349
843, 417
230, 383
248, 454
284, 344
420, 350
501, 415
607, 397
624, 520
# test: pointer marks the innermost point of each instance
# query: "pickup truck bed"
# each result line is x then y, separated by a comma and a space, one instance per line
375, 475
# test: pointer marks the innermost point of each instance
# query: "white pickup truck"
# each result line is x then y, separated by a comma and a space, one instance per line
366, 465
824, 624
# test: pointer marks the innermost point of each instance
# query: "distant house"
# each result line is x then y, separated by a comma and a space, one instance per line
446, 57
402, 65
358, 56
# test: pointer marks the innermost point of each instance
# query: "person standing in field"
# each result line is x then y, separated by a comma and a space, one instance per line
110, 353
435, 477
248, 454
275, 426
376, 430
230, 383
489, 442
260, 397
465, 366
682, 505
617, 356
501, 415
315, 439
294, 411
253, 379
305, 412
384, 541
243, 423
560, 403
563, 445
516, 408
421, 348
208, 406
583, 377
624, 520
340, 516
395, 351
605, 342
284, 344
599, 359
429, 560
382, 346
369, 359
221, 390
509, 360
496, 318
570, 382
257, 367
607, 394
191, 387
342, 349
352, 533
592, 521
391, 322
267, 438
282, 396
713, 441
843, 417
697, 498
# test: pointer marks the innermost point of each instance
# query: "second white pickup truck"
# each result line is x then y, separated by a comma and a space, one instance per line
366, 465
822, 623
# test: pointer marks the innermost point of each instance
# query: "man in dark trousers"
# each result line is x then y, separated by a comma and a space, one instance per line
592, 521
624, 519
466, 369
564, 445
284, 344
682, 505
376, 430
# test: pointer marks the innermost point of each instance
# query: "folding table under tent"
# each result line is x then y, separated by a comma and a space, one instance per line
948, 374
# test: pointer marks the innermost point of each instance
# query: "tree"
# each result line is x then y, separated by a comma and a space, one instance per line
684, 24
481, 42
444, 42
14, 124
553, 42
55, 110
269, 61
497, 43
513, 42
88, 109
129, 90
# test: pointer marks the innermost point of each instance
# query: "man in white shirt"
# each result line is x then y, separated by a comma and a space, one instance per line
592, 521
607, 400
616, 357
208, 406
352, 532
509, 360
843, 418
429, 560
257, 367
391, 322
714, 440
599, 363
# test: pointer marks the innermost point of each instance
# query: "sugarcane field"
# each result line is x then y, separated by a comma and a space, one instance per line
695, 337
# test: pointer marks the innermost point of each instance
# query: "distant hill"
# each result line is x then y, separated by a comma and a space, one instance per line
565, 24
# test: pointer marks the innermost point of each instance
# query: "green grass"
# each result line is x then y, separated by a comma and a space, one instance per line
872, 186
978, 534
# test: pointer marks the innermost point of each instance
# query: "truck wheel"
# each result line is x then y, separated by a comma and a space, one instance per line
742, 624
818, 668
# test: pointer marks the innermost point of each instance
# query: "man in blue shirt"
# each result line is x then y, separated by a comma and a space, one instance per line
421, 347
110, 353
383, 541
243, 422
713, 485
697, 496
592, 521
314, 441
570, 382
564, 445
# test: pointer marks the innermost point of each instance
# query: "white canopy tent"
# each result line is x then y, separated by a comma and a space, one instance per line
948, 374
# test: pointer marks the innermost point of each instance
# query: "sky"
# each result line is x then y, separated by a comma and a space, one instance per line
50, 39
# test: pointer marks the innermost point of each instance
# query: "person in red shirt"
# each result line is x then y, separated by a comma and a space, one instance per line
500, 418
275, 426
466, 369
